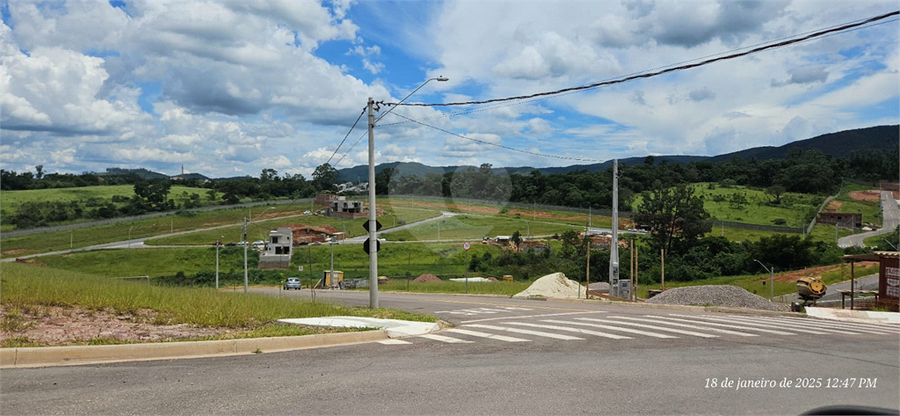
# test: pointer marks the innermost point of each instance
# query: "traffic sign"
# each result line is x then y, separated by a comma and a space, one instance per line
366, 246
467, 246
300, 269
377, 225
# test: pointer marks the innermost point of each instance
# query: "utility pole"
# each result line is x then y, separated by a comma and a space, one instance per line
614, 284
373, 238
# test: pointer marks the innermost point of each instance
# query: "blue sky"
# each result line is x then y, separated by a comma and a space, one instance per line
228, 88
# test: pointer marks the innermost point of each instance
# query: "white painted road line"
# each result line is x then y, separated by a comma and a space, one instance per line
486, 335
441, 338
569, 329
527, 332
702, 328
842, 327
743, 326
659, 328
544, 315
614, 328
790, 326
394, 342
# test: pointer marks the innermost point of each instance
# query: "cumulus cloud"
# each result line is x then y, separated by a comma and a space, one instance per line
229, 87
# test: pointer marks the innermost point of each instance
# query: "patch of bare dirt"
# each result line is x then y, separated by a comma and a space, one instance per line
870, 195
816, 272
834, 206
55, 326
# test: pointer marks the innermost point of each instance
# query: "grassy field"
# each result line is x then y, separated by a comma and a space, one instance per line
795, 210
30, 286
481, 288
229, 219
474, 227
871, 211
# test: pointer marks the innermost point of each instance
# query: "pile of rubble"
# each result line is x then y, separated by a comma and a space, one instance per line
716, 295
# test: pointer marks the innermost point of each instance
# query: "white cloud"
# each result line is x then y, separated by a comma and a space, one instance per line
234, 87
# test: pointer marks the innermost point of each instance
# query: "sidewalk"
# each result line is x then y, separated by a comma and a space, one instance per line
854, 316
87, 354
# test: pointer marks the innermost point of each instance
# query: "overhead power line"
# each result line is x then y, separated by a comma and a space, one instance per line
779, 44
345, 137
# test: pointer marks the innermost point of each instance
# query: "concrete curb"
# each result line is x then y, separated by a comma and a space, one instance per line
80, 355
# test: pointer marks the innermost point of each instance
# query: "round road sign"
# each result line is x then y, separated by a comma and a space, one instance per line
467, 246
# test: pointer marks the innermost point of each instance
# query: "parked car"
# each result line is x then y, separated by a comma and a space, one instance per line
292, 283
259, 243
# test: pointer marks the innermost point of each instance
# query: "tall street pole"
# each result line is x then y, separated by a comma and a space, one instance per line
246, 285
373, 238
614, 243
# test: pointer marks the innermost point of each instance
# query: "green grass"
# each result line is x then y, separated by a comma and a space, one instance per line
475, 227
481, 288
229, 218
29, 285
870, 210
394, 259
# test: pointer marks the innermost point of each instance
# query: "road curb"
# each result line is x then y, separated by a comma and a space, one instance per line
79, 355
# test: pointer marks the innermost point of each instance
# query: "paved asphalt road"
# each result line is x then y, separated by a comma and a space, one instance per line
506, 356
890, 213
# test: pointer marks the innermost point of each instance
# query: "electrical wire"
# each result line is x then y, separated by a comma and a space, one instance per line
345, 137
777, 44
684, 65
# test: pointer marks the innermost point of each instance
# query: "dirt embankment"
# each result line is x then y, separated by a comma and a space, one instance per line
816, 272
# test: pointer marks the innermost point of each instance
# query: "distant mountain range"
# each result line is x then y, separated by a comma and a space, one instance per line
838, 145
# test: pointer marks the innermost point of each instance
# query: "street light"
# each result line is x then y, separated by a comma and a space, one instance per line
246, 243
771, 278
373, 238
218, 244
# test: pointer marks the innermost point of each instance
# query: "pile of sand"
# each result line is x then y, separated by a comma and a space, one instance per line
427, 278
554, 285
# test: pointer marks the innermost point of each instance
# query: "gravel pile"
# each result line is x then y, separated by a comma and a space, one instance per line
729, 296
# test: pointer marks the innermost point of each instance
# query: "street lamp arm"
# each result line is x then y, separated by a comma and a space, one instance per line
439, 79
763, 265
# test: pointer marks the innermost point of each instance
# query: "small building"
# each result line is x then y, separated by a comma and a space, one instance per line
343, 208
888, 276
278, 250
846, 219
534, 246
308, 234
325, 199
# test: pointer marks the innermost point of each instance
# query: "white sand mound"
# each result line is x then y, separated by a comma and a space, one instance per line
553, 286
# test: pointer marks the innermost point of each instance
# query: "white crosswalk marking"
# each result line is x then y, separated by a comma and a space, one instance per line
791, 326
449, 340
653, 320
533, 316
486, 335
569, 329
748, 326
658, 328
842, 327
744, 327
394, 342
614, 328
527, 332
